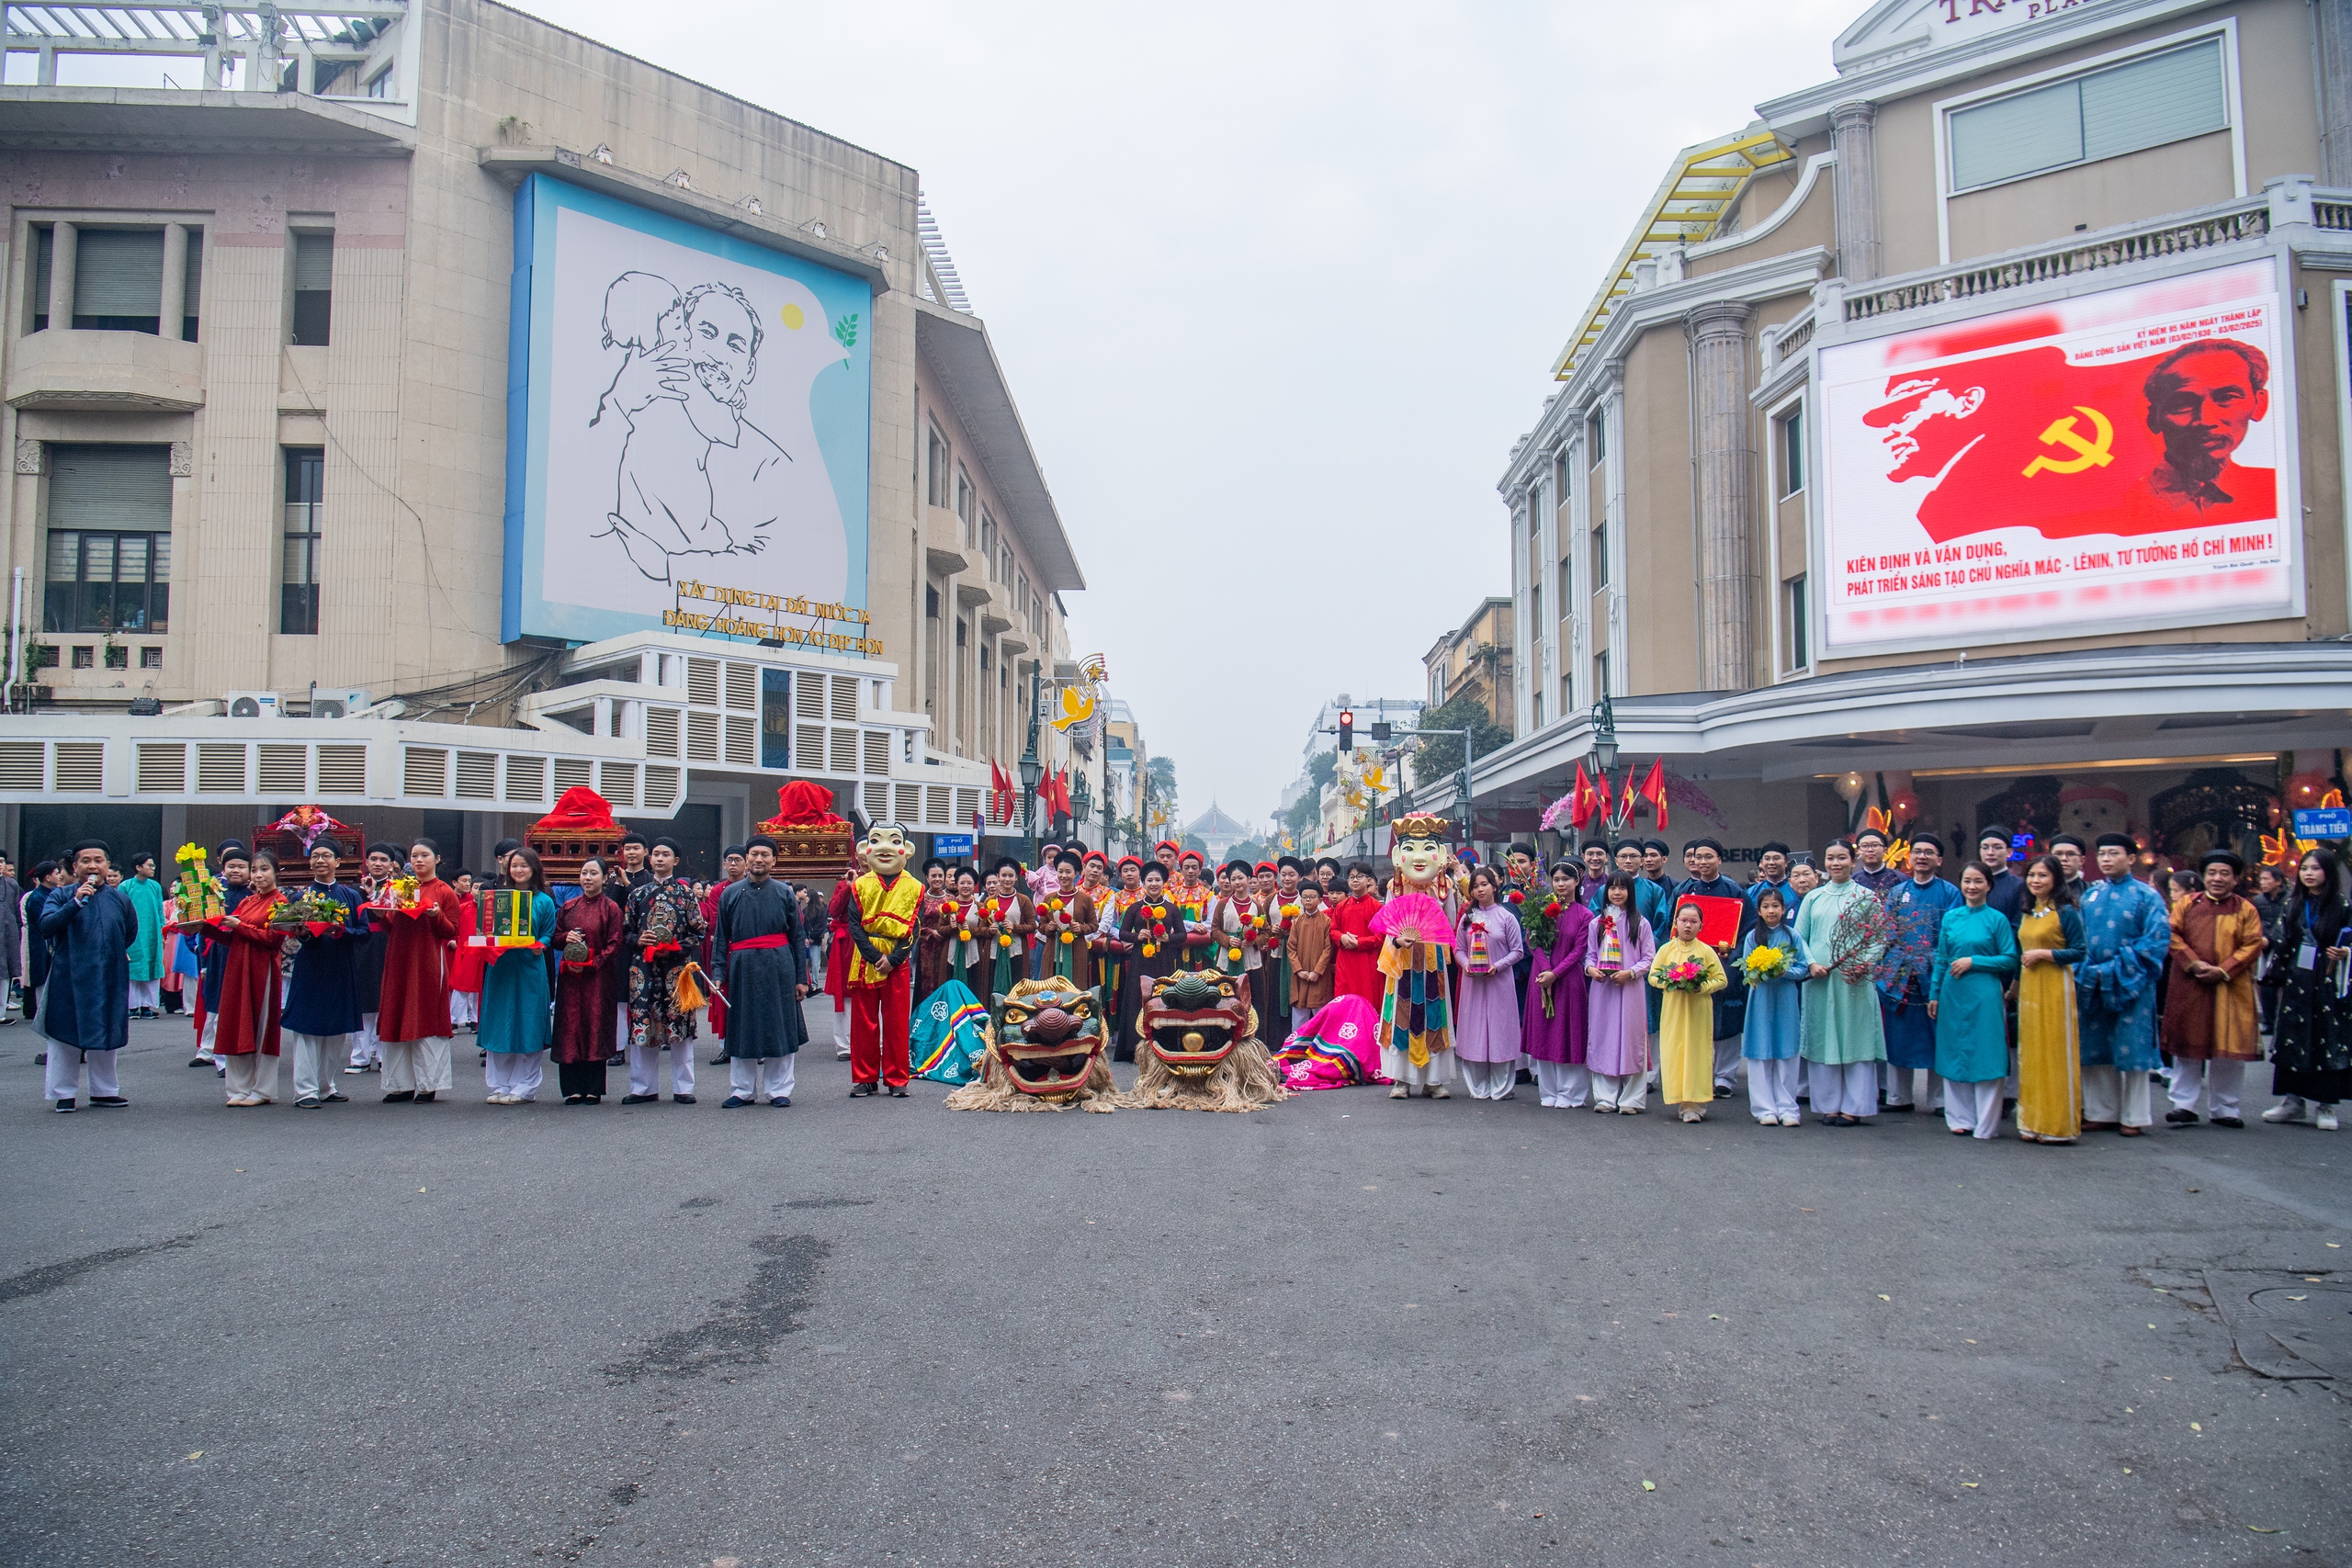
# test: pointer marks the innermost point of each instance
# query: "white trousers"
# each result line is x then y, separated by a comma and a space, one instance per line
841, 1031
464, 1007
207, 1036
1298, 1016
2109, 1095
515, 1072
1848, 1091
620, 1030
1397, 1068
1489, 1080
62, 1079
365, 1048
146, 993
1727, 1061
1563, 1086
1772, 1087
416, 1066
252, 1072
2193, 1078
1974, 1107
645, 1068
315, 1056
1898, 1083
1630, 1091
760, 1077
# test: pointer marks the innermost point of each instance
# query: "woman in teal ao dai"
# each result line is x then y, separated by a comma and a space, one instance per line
1976, 956
516, 997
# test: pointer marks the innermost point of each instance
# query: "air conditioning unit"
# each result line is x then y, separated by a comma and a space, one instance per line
251, 705
341, 703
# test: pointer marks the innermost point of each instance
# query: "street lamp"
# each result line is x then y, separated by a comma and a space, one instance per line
1081, 798
1604, 734
1031, 771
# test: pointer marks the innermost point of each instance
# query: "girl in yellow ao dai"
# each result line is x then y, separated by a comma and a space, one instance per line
1686, 1020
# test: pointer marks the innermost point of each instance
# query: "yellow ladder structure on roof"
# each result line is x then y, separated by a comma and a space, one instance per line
1699, 188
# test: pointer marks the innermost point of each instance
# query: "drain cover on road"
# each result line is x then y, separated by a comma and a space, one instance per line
2286, 1325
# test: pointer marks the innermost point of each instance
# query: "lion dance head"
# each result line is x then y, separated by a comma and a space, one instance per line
1044, 1053
1197, 1046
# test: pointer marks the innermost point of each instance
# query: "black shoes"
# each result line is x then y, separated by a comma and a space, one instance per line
2218, 1121
308, 1102
682, 1100
2182, 1118
638, 1099
64, 1107
899, 1091
734, 1103
402, 1098
860, 1091
426, 1095
782, 1102
109, 1103
335, 1099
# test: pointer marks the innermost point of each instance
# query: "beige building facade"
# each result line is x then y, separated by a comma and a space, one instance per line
1476, 659
1964, 437
310, 497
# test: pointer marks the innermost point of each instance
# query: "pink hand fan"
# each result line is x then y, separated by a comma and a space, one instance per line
1413, 916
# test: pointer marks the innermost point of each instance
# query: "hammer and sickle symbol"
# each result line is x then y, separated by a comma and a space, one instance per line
2094, 453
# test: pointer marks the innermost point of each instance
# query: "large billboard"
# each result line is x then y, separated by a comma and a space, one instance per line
2121, 461
688, 425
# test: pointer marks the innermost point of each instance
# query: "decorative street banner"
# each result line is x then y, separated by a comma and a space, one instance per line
2112, 462
686, 408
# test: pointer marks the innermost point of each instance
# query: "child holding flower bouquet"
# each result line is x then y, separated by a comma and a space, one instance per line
1687, 972
1773, 963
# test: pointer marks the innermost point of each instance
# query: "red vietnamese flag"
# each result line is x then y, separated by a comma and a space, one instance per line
1654, 789
1580, 801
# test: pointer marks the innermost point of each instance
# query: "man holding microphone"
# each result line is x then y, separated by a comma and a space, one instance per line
87, 1012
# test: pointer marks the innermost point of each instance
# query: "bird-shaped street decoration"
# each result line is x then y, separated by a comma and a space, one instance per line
1080, 697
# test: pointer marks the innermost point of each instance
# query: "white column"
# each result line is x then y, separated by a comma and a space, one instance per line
1853, 136
61, 275
175, 302
1727, 461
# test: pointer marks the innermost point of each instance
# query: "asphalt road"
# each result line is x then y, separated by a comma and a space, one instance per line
1345, 1331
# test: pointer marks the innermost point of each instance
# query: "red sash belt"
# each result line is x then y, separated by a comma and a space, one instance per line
755, 943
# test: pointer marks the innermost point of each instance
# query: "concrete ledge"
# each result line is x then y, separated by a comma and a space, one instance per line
508, 166
62, 368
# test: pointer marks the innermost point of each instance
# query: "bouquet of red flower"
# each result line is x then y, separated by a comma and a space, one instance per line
1542, 926
1687, 976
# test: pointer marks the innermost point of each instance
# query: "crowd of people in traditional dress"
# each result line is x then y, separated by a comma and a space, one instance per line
2058, 987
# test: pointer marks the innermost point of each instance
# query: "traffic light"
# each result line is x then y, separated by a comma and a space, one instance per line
1347, 730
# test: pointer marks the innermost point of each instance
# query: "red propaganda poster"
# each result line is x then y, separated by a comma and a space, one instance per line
2114, 461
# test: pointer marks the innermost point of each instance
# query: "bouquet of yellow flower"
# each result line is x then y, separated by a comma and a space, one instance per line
197, 894
1766, 962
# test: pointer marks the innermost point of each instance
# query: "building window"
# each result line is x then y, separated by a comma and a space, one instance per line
1600, 557
1539, 710
988, 541
937, 493
314, 288
1600, 676
1567, 696
1004, 565
1800, 654
1535, 612
930, 602
109, 554
1596, 438
2141, 103
380, 86
118, 279
967, 502
298, 593
1560, 478
1792, 453
1437, 684
151, 659
776, 718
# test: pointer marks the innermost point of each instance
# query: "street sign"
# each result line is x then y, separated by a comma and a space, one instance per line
2324, 822
950, 846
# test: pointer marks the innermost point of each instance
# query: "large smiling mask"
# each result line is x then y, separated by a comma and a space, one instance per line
885, 850
1418, 851
1044, 1053
1197, 1046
